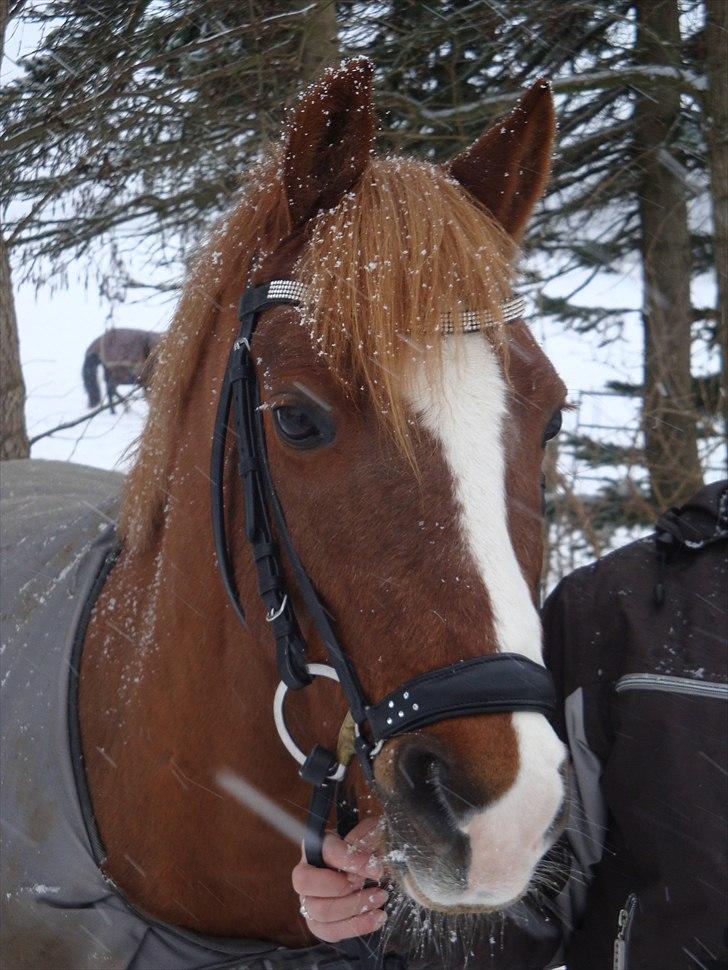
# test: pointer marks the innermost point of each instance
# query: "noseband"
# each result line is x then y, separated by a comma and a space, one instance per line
480, 685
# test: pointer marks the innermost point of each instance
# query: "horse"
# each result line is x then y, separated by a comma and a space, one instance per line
396, 407
124, 354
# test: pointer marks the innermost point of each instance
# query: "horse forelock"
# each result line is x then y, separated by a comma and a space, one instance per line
404, 248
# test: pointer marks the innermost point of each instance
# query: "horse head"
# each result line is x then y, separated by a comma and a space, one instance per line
408, 461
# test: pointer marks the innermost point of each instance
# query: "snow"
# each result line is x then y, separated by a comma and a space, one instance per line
39, 889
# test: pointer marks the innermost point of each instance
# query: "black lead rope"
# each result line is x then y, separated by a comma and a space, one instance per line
479, 685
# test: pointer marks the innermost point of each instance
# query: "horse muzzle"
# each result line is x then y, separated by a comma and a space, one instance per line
453, 849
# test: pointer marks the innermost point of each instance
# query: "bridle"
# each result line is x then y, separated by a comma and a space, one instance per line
481, 685
487, 684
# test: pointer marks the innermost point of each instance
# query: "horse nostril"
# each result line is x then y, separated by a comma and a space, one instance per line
424, 782
414, 767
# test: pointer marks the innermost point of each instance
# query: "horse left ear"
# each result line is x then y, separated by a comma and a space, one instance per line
508, 167
330, 139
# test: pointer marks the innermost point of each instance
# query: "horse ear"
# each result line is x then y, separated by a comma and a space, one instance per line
330, 139
507, 168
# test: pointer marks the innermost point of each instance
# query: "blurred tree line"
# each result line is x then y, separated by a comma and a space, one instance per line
129, 126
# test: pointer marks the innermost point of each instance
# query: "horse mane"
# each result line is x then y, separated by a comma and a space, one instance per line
405, 247
230, 252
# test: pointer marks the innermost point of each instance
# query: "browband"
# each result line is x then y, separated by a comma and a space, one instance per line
471, 321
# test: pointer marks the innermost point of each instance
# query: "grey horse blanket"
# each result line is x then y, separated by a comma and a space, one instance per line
58, 909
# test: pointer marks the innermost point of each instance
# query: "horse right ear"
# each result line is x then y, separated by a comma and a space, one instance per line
507, 168
330, 140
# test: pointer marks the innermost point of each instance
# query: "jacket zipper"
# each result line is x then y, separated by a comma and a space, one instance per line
672, 685
624, 930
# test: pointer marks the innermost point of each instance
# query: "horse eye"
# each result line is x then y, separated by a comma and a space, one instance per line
553, 427
301, 427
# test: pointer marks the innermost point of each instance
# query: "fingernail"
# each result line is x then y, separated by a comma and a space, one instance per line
379, 898
380, 918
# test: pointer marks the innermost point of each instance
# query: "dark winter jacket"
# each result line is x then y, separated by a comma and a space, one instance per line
638, 645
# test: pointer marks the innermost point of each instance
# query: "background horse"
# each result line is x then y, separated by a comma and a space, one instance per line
123, 353
407, 459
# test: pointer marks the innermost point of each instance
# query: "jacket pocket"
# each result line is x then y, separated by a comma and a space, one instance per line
672, 685
624, 931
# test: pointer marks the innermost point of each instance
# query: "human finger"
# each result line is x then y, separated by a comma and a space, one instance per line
342, 908
355, 856
311, 881
360, 925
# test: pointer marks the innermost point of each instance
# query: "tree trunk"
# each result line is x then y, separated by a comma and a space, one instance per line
319, 44
13, 436
671, 450
716, 109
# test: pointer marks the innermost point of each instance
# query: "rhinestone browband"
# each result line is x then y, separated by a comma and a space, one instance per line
471, 320
474, 320
286, 290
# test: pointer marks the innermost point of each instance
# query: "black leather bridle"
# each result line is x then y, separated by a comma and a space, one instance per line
481, 685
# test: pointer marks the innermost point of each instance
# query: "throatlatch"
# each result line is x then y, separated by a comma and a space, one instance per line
480, 685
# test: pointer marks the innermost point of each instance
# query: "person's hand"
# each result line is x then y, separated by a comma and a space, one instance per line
335, 902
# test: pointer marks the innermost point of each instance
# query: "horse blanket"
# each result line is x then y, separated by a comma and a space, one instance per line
58, 909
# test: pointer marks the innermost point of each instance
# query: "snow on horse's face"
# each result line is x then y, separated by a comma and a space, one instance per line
408, 464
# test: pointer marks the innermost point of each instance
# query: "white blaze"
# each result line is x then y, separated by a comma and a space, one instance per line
466, 413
